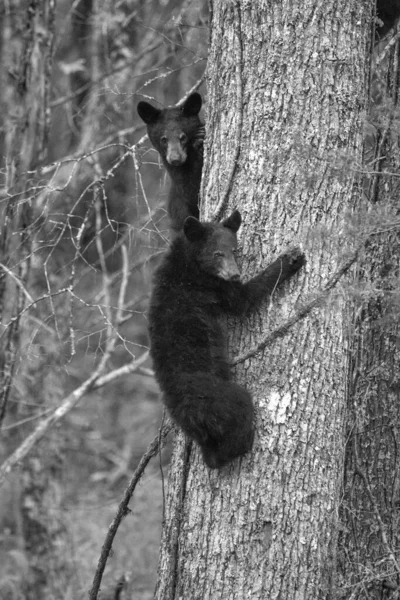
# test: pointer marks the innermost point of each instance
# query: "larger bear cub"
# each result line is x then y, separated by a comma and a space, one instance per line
177, 133
197, 282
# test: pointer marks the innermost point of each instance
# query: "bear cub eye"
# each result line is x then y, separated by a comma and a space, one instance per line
183, 138
164, 139
218, 254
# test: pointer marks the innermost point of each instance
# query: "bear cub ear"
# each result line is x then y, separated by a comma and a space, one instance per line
192, 105
193, 229
148, 113
234, 221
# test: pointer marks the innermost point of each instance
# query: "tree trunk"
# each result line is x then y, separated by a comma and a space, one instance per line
287, 87
26, 126
369, 541
27, 35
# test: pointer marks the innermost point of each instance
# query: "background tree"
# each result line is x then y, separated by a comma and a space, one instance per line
27, 58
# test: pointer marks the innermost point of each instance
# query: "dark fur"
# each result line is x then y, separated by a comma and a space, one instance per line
388, 11
196, 284
177, 134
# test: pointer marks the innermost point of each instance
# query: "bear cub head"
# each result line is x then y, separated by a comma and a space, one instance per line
213, 246
173, 130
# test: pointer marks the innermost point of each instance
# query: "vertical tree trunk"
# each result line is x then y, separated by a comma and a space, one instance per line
27, 35
287, 87
26, 106
370, 537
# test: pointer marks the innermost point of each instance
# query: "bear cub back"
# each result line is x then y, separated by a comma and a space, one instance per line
177, 133
197, 283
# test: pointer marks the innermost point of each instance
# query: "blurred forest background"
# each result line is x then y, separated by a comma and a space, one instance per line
83, 225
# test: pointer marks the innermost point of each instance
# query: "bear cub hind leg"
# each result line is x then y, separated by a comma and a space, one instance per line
217, 413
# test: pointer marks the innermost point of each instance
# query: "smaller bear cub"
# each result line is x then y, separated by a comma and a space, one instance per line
388, 12
177, 133
196, 284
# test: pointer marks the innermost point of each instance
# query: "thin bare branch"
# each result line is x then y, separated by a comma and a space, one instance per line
300, 314
93, 382
123, 510
194, 88
100, 79
18, 282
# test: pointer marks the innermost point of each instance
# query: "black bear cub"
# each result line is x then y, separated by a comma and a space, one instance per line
198, 282
388, 12
177, 133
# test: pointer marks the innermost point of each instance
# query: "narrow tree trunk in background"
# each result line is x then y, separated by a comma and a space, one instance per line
82, 22
370, 537
25, 103
287, 85
27, 36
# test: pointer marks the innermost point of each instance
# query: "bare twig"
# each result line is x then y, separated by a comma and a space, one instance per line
99, 79
93, 382
194, 88
123, 509
18, 282
131, 367
119, 317
139, 178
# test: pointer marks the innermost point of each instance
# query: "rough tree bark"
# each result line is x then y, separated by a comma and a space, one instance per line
369, 563
287, 85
